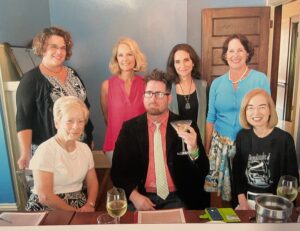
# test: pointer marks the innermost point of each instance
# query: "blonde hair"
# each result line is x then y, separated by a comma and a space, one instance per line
140, 59
40, 40
273, 120
65, 103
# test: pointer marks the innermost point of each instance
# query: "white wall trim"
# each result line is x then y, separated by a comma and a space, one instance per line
278, 2
8, 207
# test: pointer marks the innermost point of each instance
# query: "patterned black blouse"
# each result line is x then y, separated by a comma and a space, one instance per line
36, 95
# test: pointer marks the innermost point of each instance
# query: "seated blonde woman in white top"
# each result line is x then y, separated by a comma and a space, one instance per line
62, 163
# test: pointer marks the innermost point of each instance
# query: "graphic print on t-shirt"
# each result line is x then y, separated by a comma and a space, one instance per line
258, 170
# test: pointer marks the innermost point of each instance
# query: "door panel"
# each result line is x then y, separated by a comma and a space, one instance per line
228, 26
219, 23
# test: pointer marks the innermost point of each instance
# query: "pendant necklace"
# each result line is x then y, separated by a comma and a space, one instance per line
187, 97
239, 79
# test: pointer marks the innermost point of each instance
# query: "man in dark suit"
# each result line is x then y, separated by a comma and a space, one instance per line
135, 161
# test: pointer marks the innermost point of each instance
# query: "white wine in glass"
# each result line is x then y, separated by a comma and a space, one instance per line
288, 187
181, 125
116, 203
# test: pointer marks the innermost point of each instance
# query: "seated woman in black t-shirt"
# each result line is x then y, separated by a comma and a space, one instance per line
264, 152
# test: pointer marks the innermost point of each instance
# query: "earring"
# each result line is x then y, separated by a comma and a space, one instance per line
82, 137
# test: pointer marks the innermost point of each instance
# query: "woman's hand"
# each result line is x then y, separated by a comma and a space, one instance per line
23, 161
243, 206
208, 136
25, 141
243, 203
86, 208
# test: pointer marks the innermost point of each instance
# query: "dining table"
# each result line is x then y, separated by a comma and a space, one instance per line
85, 218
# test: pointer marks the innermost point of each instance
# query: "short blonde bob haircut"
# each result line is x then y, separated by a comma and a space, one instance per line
63, 105
273, 120
140, 59
39, 43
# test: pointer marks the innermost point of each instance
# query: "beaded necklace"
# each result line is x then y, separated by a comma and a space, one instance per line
239, 79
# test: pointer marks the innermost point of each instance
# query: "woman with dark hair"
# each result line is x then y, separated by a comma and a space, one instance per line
41, 87
225, 96
188, 91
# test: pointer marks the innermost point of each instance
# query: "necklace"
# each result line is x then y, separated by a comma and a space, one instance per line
187, 97
59, 76
239, 79
50, 71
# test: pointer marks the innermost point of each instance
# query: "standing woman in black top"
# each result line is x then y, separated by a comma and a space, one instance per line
188, 91
41, 87
264, 152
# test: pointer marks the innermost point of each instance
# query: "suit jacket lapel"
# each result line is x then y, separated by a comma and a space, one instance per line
143, 140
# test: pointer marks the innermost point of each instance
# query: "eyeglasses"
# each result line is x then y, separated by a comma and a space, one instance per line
233, 52
259, 108
54, 47
158, 94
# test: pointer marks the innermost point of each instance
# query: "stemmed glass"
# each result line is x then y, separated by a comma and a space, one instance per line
181, 125
116, 203
288, 187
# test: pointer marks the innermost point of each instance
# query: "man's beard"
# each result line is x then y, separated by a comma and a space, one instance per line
155, 111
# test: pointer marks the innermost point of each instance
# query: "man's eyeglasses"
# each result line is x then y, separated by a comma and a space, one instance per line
158, 94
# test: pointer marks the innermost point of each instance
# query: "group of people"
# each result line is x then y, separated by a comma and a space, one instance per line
52, 114
232, 129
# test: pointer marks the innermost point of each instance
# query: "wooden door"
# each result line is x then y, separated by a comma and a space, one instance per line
219, 23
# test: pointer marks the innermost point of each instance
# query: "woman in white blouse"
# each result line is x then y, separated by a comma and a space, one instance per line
62, 163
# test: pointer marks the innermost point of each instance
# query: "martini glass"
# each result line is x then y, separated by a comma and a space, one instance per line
180, 125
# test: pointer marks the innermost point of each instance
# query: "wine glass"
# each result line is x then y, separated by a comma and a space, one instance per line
116, 203
288, 187
105, 218
181, 125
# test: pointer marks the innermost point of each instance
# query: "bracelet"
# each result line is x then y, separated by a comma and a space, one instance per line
194, 154
91, 204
